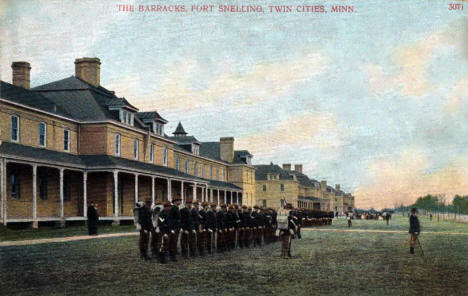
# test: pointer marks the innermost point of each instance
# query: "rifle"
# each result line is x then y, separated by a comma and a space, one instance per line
419, 243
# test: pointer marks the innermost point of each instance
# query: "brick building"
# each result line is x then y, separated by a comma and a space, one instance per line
71, 141
275, 186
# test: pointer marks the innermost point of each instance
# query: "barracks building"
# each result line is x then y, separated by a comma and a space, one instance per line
71, 142
275, 186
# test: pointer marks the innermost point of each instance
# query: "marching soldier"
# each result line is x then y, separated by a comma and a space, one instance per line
210, 226
414, 229
164, 232
186, 223
142, 218
196, 219
174, 226
220, 230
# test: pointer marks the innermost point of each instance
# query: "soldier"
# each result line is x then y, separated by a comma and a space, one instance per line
174, 226
142, 219
220, 229
196, 219
210, 226
164, 233
242, 227
93, 219
237, 224
286, 226
202, 237
186, 223
156, 235
414, 229
231, 222
268, 225
256, 224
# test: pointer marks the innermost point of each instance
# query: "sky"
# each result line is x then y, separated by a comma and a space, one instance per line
375, 100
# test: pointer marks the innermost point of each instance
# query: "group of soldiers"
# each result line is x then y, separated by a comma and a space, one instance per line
202, 227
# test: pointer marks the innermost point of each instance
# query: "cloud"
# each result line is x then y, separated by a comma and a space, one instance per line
262, 82
307, 130
459, 95
402, 180
410, 63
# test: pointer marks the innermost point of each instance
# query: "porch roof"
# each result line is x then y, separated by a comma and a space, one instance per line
41, 155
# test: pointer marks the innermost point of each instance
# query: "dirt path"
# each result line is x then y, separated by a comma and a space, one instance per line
380, 231
64, 239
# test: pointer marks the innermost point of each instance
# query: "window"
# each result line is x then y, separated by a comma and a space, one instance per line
42, 134
158, 128
211, 172
196, 149
195, 169
42, 186
15, 186
14, 128
177, 164
117, 144
187, 167
151, 155
264, 187
223, 174
165, 156
66, 188
264, 203
217, 173
282, 187
283, 202
135, 149
203, 170
66, 140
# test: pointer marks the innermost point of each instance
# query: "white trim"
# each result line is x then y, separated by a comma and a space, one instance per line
45, 134
17, 128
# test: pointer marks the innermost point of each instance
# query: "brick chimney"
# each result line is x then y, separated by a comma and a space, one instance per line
227, 149
89, 70
323, 185
337, 187
21, 74
298, 168
286, 166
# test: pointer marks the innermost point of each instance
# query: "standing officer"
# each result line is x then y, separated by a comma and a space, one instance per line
286, 226
242, 227
237, 224
220, 220
196, 219
165, 231
186, 224
414, 228
231, 218
156, 234
174, 226
256, 225
202, 237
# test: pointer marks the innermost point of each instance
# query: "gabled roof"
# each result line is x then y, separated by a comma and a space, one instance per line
151, 115
184, 140
179, 130
19, 95
83, 101
211, 150
262, 171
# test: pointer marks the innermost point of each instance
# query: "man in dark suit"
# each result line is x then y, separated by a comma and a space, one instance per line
186, 222
174, 226
414, 228
93, 219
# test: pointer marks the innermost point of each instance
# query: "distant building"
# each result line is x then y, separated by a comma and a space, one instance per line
72, 141
275, 186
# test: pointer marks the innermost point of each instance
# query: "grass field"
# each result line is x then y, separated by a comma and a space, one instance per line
325, 263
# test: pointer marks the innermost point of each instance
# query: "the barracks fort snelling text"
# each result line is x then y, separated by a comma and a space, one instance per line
70, 142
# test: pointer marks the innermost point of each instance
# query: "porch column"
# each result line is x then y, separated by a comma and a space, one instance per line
34, 196
182, 191
194, 198
236, 198
152, 189
217, 197
203, 191
136, 188
116, 193
61, 193
169, 190
3, 191
85, 194
211, 195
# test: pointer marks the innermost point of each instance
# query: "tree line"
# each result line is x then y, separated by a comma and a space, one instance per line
435, 203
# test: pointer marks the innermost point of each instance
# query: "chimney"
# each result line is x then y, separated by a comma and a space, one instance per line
323, 185
298, 168
227, 149
286, 166
337, 187
21, 75
88, 69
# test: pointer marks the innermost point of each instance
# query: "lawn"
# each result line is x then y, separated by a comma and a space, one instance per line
324, 263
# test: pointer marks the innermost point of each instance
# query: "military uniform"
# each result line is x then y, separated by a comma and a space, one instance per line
256, 224
202, 236
210, 226
220, 235
174, 226
164, 232
142, 216
286, 232
188, 232
231, 222
196, 219
414, 229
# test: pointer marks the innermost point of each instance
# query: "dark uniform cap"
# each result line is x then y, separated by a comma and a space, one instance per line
176, 198
244, 207
249, 208
223, 205
288, 206
204, 204
195, 202
166, 204
213, 204
256, 207
231, 207
188, 201
236, 206
157, 202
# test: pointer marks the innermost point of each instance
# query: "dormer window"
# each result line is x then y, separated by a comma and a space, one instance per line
158, 128
126, 117
195, 149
